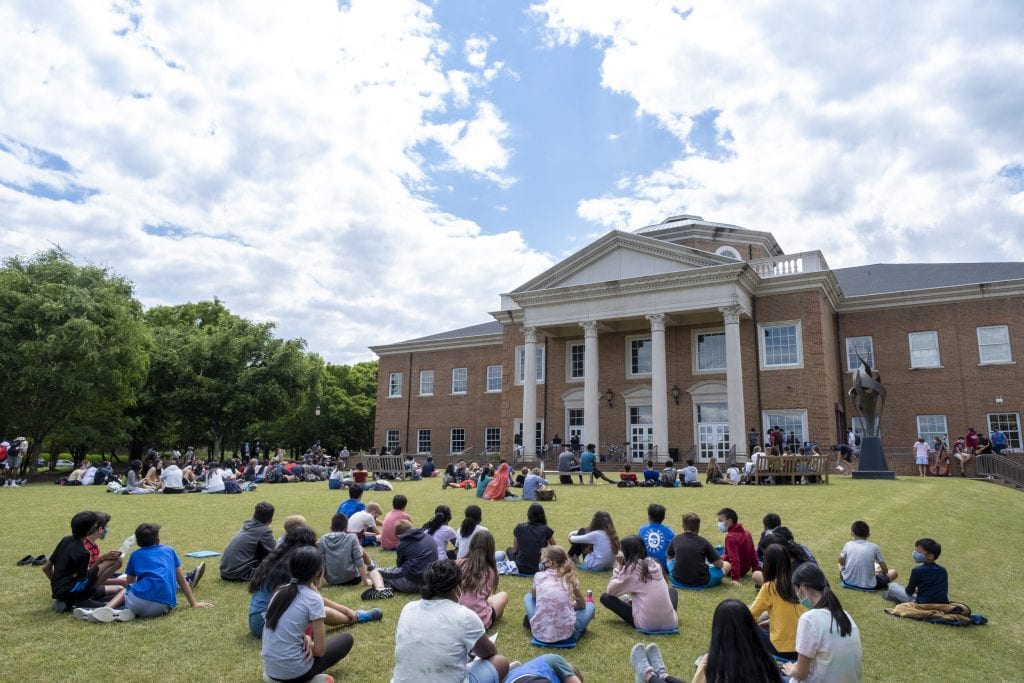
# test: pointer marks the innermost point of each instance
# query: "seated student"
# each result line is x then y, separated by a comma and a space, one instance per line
567, 463
769, 523
365, 526
454, 631
439, 531
827, 639
529, 538
104, 473
470, 527
448, 478
588, 465
429, 469
627, 476
668, 475
520, 478
416, 550
171, 478
409, 466
75, 478
736, 651
655, 535
295, 645
714, 473
388, 539
798, 554
274, 572
497, 486
534, 482
153, 575
689, 475
652, 604
651, 475
596, 545
214, 480
545, 668
555, 608
778, 598
89, 476
739, 546
479, 588
112, 584
73, 583
359, 476
345, 561
353, 503
251, 544
861, 564
732, 475
135, 483
929, 582
692, 560
290, 522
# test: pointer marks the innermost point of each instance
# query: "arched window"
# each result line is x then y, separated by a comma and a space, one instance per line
729, 252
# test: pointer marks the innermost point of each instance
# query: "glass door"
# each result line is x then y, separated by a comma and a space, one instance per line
712, 431
641, 433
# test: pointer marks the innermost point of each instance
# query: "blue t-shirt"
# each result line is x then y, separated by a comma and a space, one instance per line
428, 469
652, 475
155, 570
587, 461
553, 668
351, 506
657, 538
531, 484
929, 584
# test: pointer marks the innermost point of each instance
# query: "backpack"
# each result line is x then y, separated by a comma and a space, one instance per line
856, 439
668, 480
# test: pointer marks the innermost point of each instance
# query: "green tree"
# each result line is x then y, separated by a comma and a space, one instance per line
73, 347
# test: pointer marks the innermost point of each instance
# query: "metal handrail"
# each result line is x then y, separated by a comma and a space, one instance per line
996, 466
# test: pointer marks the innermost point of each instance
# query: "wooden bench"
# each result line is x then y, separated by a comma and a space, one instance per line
792, 467
384, 464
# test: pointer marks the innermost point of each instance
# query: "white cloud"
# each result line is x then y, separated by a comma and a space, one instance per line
476, 51
274, 147
882, 128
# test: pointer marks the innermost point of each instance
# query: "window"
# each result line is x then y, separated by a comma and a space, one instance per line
859, 346
639, 356
395, 385
576, 360
422, 440
710, 351
426, 382
924, 349
994, 344
780, 345
931, 426
729, 252
794, 421
459, 380
492, 440
1009, 424
521, 363
391, 439
458, 439
574, 418
859, 425
493, 378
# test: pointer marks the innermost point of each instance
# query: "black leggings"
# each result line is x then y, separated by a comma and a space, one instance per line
579, 550
767, 640
337, 647
624, 610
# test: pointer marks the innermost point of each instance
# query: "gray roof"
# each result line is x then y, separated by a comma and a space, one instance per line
882, 278
481, 330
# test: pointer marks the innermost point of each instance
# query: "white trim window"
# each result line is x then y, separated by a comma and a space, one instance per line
708, 351
492, 440
788, 421
1009, 424
781, 345
391, 441
994, 344
729, 252
638, 356
575, 361
924, 349
460, 378
395, 385
458, 440
426, 382
423, 441
862, 346
860, 427
493, 378
931, 426
521, 363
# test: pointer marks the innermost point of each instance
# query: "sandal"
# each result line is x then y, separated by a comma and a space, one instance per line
40, 560
25, 560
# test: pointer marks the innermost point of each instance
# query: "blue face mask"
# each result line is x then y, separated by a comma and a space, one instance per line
723, 527
918, 557
104, 534
806, 602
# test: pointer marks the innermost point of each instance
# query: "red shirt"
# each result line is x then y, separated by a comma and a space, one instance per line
94, 551
740, 552
973, 440
359, 476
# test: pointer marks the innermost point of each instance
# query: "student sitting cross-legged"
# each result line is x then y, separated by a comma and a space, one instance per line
861, 564
416, 550
827, 639
652, 604
929, 582
693, 562
75, 581
596, 545
555, 608
345, 561
479, 587
778, 599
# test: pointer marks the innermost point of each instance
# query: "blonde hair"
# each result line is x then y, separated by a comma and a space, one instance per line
292, 521
373, 508
563, 568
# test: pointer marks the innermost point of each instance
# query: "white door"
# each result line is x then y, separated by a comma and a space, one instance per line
573, 425
641, 433
712, 431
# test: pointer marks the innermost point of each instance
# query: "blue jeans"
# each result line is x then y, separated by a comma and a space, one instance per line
583, 616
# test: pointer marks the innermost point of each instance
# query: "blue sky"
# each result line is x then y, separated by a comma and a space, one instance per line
366, 172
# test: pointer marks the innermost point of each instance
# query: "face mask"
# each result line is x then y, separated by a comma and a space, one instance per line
918, 557
104, 534
543, 567
806, 602
722, 527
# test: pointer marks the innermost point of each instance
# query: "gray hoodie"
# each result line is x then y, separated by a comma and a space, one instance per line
342, 557
246, 550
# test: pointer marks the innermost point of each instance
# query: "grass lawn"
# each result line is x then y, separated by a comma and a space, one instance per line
980, 526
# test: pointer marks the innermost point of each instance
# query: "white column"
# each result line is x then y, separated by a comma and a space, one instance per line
591, 389
530, 392
659, 383
734, 379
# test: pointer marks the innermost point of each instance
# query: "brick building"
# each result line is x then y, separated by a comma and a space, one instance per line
683, 336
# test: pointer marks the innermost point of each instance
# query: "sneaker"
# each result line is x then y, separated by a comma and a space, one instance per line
192, 578
365, 615
84, 614
60, 607
322, 678
641, 665
654, 657
103, 615
515, 665
124, 614
374, 594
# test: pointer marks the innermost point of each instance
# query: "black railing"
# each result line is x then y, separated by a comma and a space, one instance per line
998, 467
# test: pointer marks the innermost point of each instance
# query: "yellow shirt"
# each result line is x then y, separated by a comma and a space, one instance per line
783, 616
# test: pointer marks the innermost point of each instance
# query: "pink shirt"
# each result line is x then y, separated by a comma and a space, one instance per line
477, 600
652, 607
388, 540
555, 618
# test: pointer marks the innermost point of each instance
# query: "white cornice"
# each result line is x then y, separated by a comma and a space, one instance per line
938, 295
438, 345
823, 280
719, 231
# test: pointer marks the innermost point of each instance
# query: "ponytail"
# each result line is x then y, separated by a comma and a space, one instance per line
282, 600
811, 576
306, 564
473, 517
442, 515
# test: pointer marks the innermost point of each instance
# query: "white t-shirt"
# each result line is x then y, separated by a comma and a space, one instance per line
442, 537
282, 647
433, 640
215, 483
90, 476
690, 474
361, 522
171, 477
860, 556
463, 543
834, 659
733, 474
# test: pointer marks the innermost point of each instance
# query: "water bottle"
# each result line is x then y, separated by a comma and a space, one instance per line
590, 596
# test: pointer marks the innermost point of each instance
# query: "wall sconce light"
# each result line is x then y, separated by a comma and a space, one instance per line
999, 400
609, 396
675, 393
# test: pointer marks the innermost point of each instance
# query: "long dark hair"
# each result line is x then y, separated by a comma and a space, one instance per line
305, 564
602, 521
810, 575
634, 551
440, 579
442, 515
737, 652
473, 517
273, 571
535, 514
777, 570
784, 537
479, 563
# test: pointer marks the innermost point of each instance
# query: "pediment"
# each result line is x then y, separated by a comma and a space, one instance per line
622, 256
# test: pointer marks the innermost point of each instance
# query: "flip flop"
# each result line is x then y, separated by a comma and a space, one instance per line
25, 560
41, 559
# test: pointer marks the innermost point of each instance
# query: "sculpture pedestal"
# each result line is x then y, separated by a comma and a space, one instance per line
872, 460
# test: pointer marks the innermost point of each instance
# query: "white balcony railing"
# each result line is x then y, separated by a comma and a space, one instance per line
790, 264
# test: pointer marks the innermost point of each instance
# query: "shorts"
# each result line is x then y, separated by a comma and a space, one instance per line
715, 575
921, 459
482, 671
145, 608
394, 579
85, 589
